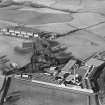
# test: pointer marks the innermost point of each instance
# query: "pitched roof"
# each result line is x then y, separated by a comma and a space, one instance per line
23, 28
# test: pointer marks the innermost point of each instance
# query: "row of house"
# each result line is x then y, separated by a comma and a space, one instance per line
24, 32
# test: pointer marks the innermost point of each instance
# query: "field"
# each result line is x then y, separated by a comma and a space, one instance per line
7, 45
32, 17
27, 93
82, 44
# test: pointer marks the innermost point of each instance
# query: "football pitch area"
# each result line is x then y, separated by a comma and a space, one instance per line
28, 93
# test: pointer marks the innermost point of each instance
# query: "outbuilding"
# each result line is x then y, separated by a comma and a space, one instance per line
3, 29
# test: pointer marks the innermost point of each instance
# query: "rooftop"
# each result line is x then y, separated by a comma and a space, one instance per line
23, 28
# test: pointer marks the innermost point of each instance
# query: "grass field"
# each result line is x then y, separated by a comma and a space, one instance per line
30, 94
83, 44
7, 45
32, 17
60, 28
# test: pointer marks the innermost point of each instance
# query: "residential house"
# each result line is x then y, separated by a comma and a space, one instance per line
17, 32
20, 31
4, 30
30, 34
35, 35
11, 30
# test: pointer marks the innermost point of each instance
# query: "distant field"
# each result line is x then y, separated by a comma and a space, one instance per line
32, 17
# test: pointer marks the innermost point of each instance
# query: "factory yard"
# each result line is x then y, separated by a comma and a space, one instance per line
80, 25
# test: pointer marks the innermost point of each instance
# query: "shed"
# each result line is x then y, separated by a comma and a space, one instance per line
27, 44
69, 65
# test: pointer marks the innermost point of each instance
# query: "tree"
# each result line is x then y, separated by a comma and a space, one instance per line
45, 55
